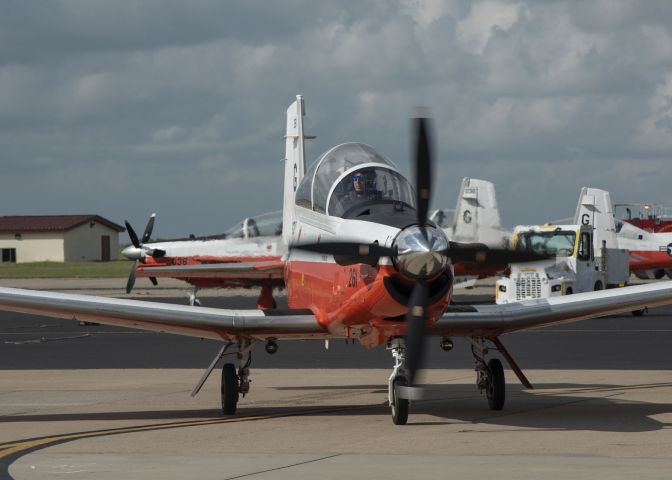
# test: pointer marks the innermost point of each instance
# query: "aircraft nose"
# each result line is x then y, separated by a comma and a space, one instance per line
421, 251
132, 253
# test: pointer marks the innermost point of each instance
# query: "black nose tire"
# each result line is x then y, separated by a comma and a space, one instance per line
399, 407
496, 391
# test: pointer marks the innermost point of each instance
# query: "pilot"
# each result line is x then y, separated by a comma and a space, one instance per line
360, 192
359, 185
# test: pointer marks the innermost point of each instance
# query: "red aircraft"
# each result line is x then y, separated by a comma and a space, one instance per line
362, 263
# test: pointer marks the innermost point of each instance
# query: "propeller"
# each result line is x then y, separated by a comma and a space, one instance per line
420, 252
138, 252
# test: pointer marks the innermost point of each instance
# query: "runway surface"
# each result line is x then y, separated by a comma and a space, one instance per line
103, 402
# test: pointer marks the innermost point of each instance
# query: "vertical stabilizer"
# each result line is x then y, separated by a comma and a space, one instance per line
476, 217
295, 165
595, 208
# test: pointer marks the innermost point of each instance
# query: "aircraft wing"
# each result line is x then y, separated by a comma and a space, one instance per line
493, 320
261, 270
200, 322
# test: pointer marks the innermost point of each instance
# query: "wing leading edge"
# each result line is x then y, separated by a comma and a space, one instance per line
493, 320
162, 317
265, 270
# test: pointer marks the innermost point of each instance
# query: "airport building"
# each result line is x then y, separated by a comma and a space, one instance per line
58, 238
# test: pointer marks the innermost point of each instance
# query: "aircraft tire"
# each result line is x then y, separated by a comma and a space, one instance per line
598, 285
496, 391
229, 389
399, 407
658, 274
641, 274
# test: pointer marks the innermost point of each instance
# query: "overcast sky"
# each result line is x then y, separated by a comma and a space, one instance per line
125, 108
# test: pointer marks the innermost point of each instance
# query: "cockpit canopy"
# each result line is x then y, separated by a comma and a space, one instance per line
350, 175
264, 225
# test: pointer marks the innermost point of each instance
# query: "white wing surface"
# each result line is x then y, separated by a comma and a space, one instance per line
201, 322
493, 320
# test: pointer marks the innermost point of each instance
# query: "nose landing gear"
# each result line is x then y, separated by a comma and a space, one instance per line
398, 378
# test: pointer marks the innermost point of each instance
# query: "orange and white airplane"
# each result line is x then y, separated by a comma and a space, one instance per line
248, 255
362, 263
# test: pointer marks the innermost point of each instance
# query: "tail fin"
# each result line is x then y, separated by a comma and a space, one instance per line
595, 208
476, 217
295, 164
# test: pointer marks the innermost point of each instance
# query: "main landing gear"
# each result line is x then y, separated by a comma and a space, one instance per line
399, 378
235, 378
489, 375
236, 381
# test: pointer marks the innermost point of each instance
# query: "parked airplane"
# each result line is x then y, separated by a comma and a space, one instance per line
364, 263
650, 253
474, 220
247, 255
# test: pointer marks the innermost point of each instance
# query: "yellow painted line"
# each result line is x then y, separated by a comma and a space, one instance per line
17, 447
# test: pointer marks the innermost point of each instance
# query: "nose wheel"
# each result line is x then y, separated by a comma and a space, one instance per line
399, 406
399, 378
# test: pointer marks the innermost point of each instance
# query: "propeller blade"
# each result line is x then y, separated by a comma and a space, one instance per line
415, 328
423, 168
132, 235
149, 228
131, 278
154, 281
480, 253
347, 249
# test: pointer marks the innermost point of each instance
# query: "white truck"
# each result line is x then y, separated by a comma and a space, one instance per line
579, 264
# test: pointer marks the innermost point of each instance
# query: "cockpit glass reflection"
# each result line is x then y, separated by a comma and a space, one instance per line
369, 185
264, 225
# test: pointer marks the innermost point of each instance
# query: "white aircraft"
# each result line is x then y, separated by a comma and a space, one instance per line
476, 216
650, 253
217, 261
363, 262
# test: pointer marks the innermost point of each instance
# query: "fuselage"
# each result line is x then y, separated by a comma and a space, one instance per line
366, 300
647, 250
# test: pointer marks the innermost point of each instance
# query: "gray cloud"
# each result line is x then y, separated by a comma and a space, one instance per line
124, 108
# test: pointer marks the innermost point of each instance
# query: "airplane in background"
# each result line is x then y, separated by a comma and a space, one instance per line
650, 254
363, 262
475, 219
247, 255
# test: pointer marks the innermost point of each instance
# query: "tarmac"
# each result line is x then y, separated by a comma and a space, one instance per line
331, 423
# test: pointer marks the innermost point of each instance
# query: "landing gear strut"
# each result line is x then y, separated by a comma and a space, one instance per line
236, 383
193, 300
265, 300
399, 378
